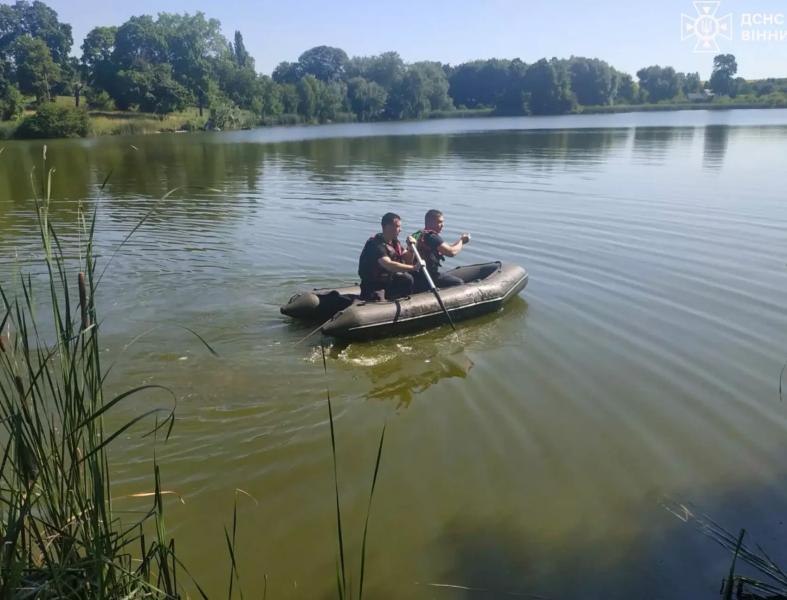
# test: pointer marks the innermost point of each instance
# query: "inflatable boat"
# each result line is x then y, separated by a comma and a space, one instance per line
487, 287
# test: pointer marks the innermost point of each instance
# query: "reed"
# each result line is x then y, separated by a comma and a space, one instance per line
343, 589
772, 581
61, 537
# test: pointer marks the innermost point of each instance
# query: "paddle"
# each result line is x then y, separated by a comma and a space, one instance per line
432, 286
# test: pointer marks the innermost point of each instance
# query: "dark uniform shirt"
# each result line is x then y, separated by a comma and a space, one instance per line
372, 275
429, 242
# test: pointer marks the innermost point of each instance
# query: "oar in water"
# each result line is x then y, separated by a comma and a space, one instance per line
432, 286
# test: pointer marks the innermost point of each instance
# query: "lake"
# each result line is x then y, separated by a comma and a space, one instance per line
527, 454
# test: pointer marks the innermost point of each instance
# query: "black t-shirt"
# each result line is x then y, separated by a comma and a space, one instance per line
369, 268
432, 241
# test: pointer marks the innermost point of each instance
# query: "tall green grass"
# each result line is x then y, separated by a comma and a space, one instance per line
343, 589
61, 537
60, 534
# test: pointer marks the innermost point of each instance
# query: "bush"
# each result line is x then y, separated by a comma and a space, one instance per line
195, 124
99, 99
11, 101
7, 129
344, 117
52, 121
283, 119
228, 116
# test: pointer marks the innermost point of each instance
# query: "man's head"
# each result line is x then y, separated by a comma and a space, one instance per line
434, 220
392, 225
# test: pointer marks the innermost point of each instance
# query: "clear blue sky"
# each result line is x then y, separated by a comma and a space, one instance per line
629, 35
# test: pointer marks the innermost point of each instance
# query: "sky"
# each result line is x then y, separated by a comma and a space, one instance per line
628, 35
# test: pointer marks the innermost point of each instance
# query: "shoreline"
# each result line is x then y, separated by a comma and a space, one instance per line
133, 123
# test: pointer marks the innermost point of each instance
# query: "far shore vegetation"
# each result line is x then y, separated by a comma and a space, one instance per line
177, 72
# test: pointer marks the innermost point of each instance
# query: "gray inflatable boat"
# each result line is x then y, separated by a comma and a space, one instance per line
487, 287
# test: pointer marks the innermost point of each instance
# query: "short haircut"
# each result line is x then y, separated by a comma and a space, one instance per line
432, 215
389, 218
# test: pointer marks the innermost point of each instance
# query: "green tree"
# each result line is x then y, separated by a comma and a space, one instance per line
152, 89
241, 56
11, 102
72, 80
331, 100
513, 100
270, 97
691, 83
367, 98
628, 89
241, 85
308, 96
290, 97
139, 41
593, 81
194, 43
479, 83
435, 84
184, 56
722, 79
36, 20
97, 63
287, 72
659, 83
36, 72
408, 99
548, 90
324, 62
386, 69
741, 87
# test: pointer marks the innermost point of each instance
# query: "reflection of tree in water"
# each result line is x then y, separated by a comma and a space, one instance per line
148, 166
152, 165
143, 168
401, 368
385, 156
409, 374
541, 149
654, 143
71, 160
715, 146
391, 155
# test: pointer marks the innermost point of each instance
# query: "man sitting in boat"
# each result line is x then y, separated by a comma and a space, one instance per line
433, 249
385, 268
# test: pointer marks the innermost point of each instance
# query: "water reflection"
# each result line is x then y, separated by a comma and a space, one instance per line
410, 373
153, 165
400, 368
715, 146
654, 144
643, 360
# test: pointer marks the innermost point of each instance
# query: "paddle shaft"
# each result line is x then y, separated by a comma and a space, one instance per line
432, 286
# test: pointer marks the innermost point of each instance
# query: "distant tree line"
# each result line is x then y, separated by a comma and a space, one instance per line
164, 64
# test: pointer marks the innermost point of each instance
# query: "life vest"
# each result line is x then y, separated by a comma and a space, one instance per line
369, 268
431, 256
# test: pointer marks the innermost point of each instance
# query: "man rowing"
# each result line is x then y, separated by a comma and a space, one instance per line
385, 268
433, 249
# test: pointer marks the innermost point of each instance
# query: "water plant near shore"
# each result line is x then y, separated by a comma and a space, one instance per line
61, 534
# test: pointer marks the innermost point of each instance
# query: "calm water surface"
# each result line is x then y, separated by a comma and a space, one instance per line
525, 454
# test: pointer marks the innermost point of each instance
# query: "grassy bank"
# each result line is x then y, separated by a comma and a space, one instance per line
116, 122
621, 108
